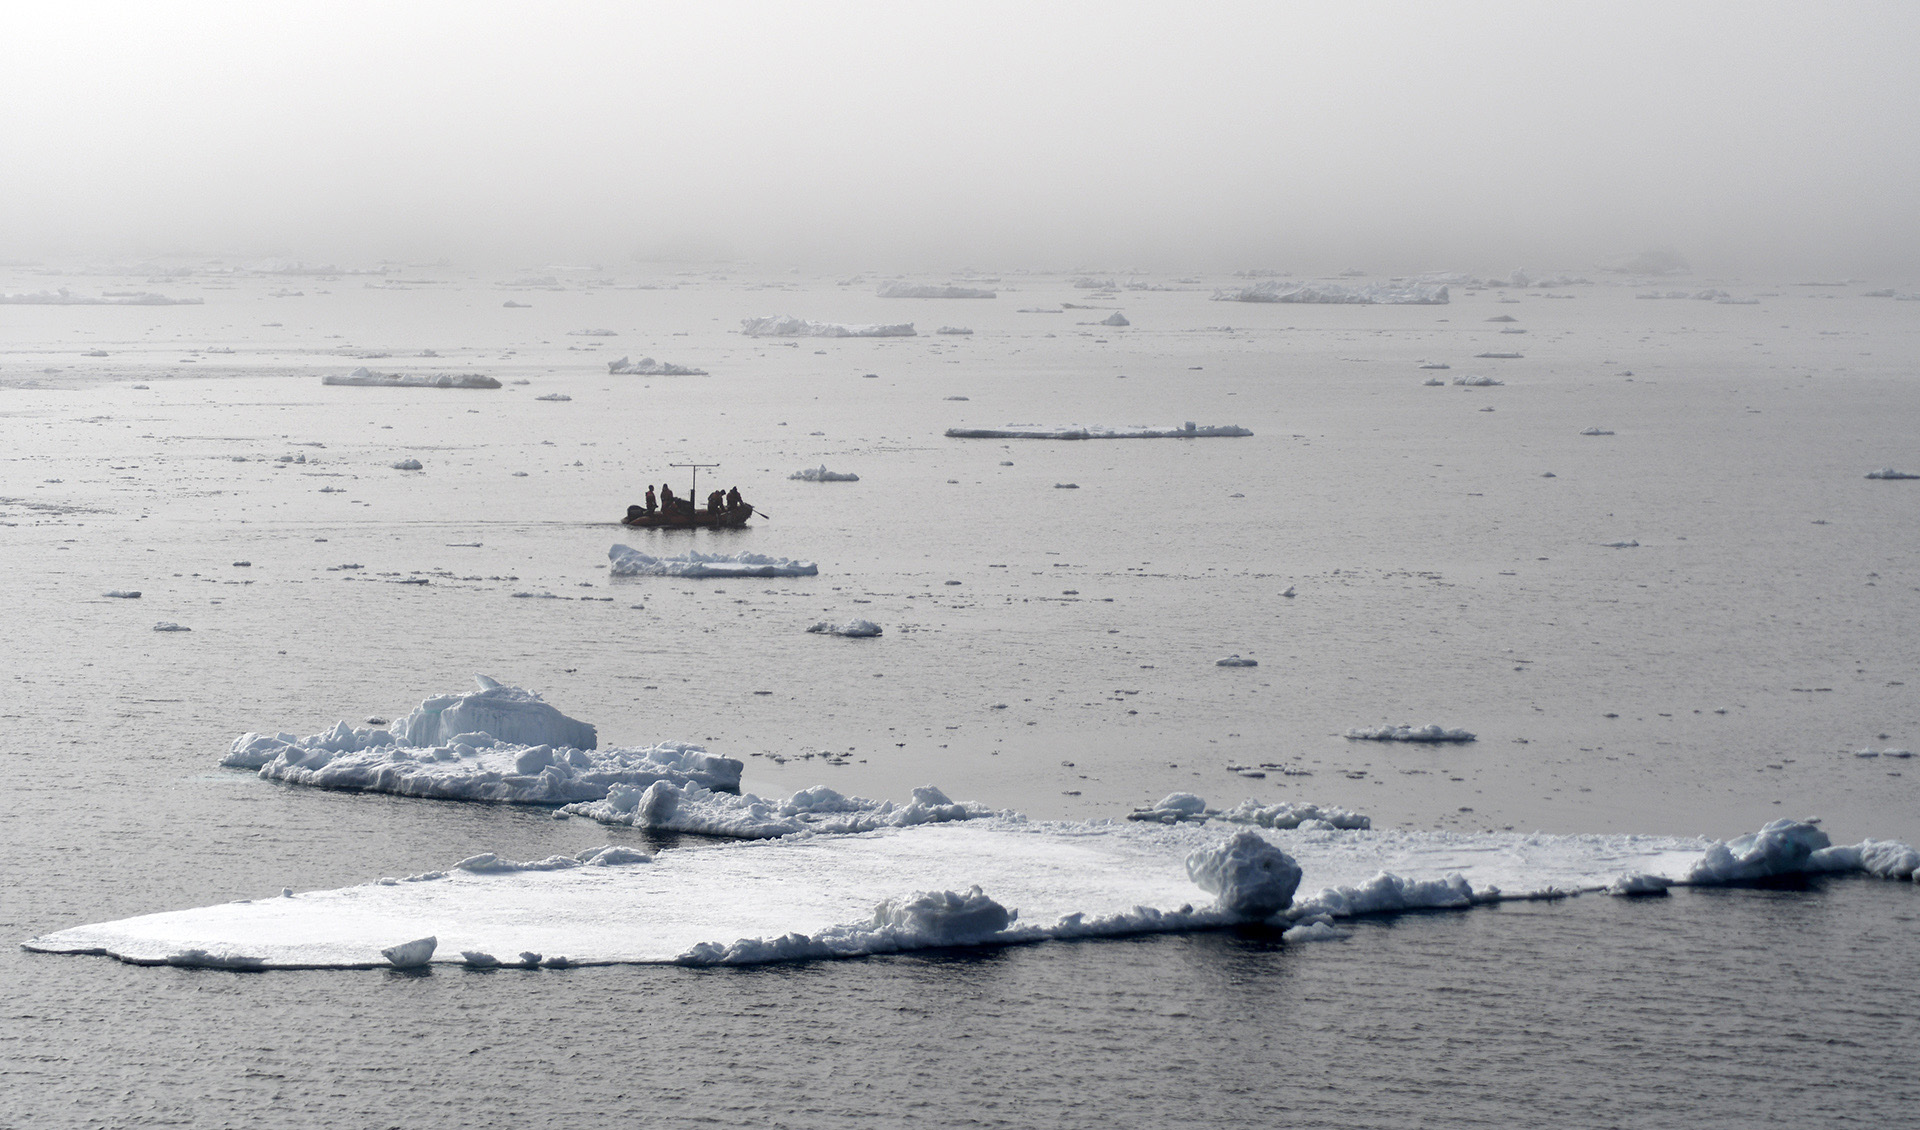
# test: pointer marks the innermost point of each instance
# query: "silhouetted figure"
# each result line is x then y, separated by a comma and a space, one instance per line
733, 498
651, 505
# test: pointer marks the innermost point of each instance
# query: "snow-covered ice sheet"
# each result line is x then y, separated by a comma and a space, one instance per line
500, 744
1189, 430
783, 325
814, 895
1391, 294
630, 562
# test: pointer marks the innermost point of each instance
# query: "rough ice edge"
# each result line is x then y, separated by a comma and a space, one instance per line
1189, 430
667, 807
783, 325
1428, 733
855, 629
630, 562
1276, 290
364, 377
820, 474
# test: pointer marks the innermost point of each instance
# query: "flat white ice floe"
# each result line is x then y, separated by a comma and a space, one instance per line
1890, 473
852, 628
667, 807
1189, 430
364, 377
1390, 294
1429, 733
648, 367
820, 474
782, 325
912, 290
988, 881
500, 744
630, 562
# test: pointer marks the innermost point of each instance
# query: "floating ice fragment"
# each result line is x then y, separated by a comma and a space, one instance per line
630, 562
1115, 319
1188, 431
408, 465
555, 396
411, 955
123, 594
910, 290
1066, 486
852, 628
1620, 545
1429, 733
1478, 382
170, 626
820, 474
364, 377
1890, 473
667, 807
954, 330
1250, 877
1275, 290
1236, 661
1318, 930
1640, 886
781, 325
648, 367
1595, 432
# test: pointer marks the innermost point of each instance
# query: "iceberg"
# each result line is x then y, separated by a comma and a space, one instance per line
364, 377
630, 562
1188, 431
1385, 294
820, 474
781, 325
1433, 733
648, 367
910, 290
985, 881
667, 807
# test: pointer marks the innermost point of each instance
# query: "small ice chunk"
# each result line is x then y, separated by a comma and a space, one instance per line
1595, 432
170, 626
630, 562
1428, 733
1890, 473
1236, 661
852, 628
408, 465
1640, 886
1249, 876
1115, 319
123, 594
411, 955
820, 474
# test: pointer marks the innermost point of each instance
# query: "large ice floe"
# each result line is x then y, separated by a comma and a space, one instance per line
364, 377
499, 743
783, 325
1189, 430
1385, 293
648, 367
987, 880
913, 290
630, 562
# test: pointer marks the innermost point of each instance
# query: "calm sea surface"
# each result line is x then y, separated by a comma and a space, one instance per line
1451, 565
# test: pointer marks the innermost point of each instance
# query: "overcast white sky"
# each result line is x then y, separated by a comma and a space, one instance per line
1461, 135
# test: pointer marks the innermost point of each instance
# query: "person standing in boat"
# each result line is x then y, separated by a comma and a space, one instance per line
651, 505
733, 498
666, 498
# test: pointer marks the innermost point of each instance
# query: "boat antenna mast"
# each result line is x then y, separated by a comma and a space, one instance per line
693, 492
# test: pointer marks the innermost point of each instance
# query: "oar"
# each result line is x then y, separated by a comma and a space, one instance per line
759, 513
